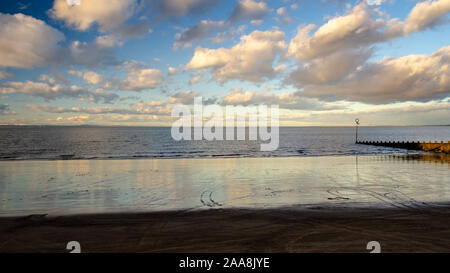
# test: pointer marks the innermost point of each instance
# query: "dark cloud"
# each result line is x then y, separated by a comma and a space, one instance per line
249, 9
409, 78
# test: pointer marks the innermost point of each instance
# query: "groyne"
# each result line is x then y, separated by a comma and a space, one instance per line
440, 147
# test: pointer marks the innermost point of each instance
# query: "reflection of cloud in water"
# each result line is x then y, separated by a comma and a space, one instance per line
406, 181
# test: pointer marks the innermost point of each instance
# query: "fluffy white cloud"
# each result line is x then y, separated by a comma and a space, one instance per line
251, 59
332, 61
92, 77
108, 14
427, 14
26, 42
408, 78
141, 79
362, 27
356, 29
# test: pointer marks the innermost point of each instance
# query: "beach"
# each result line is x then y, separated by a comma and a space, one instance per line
292, 204
317, 229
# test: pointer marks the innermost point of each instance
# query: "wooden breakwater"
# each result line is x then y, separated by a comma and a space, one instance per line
440, 147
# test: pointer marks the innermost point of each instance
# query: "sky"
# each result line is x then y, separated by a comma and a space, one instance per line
129, 62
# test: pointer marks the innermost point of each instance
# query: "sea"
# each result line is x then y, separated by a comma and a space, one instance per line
59, 142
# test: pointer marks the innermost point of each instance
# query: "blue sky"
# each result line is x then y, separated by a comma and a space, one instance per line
127, 62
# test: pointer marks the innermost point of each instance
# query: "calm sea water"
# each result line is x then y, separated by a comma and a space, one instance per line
52, 143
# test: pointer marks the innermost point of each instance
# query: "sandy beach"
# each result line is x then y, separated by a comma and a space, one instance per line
309, 204
315, 229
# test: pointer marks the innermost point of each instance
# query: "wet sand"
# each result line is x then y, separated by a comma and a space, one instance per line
151, 185
312, 229
318, 204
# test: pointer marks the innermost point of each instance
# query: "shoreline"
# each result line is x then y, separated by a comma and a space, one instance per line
406, 153
320, 229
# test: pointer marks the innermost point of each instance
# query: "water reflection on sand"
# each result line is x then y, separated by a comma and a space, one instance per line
88, 186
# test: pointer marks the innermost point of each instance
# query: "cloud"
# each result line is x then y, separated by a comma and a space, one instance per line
427, 14
195, 80
55, 77
98, 53
256, 22
172, 71
139, 77
6, 110
176, 8
375, 2
245, 9
282, 12
205, 29
138, 80
51, 91
356, 29
4, 75
186, 97
435, 112
132, 30
408, 78
335, 55
133, 65
238, 96
249, 9
361, 27
90, 77
329, 69
138, 109
198, 32
107, 41
73, 119
107, 14
26, 42
250, 60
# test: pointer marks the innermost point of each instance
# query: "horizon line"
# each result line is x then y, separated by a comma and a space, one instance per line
162, 126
